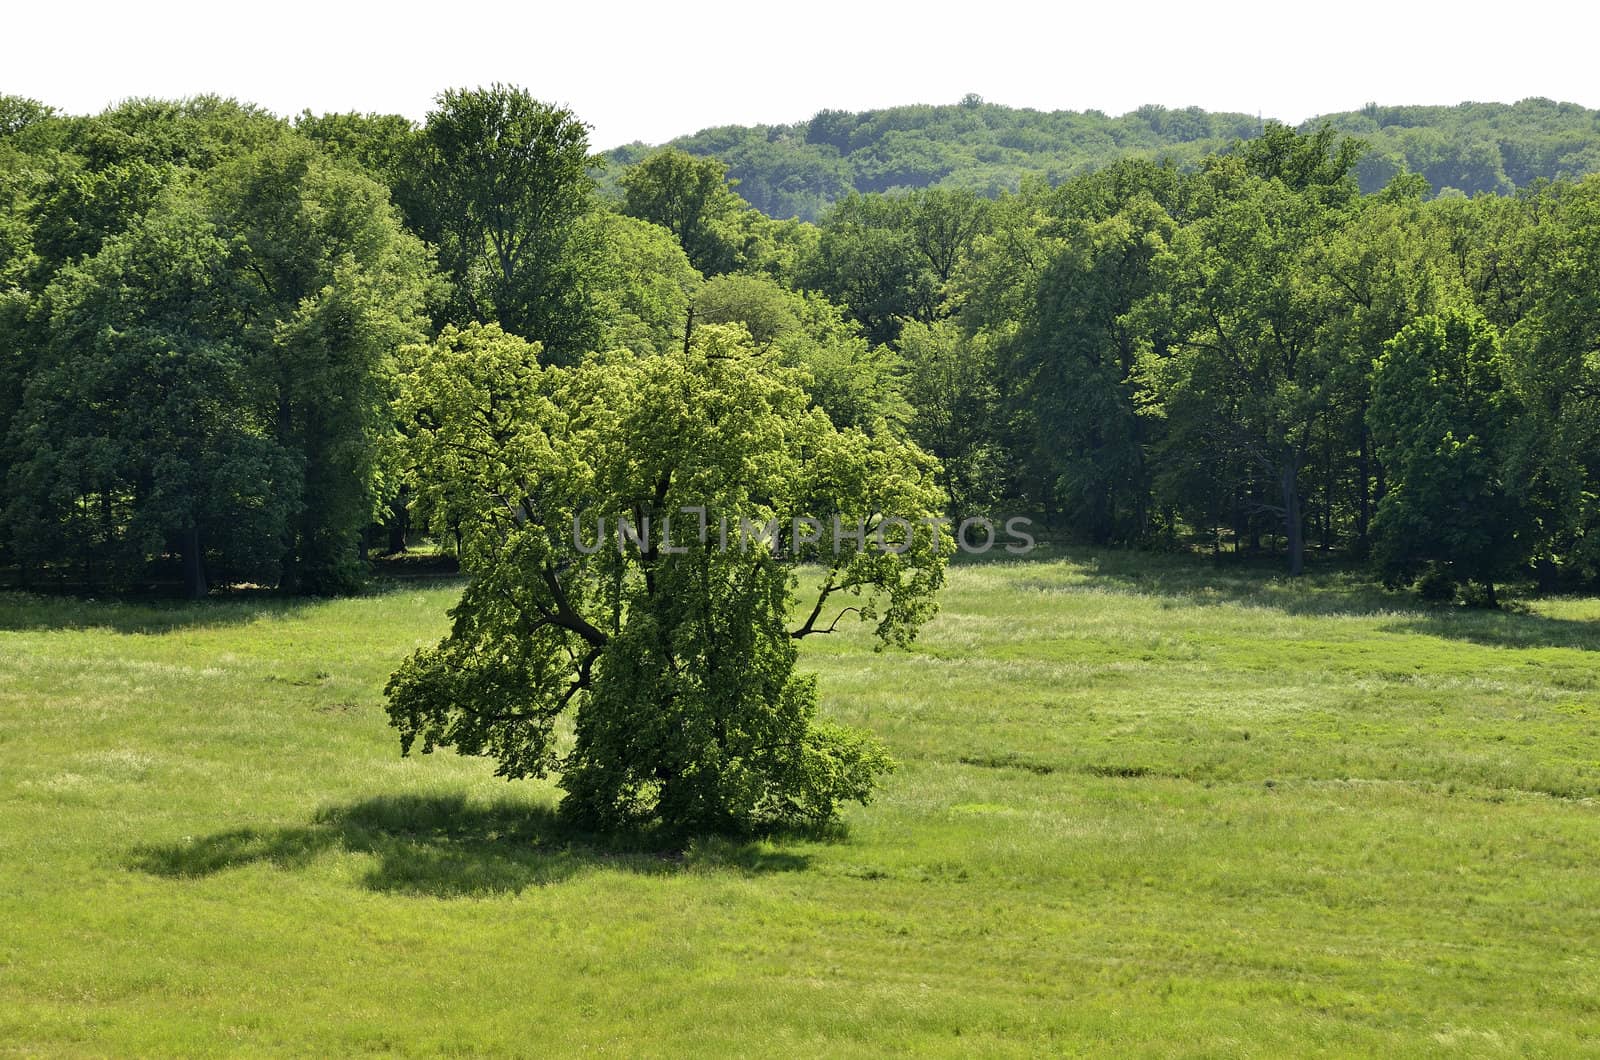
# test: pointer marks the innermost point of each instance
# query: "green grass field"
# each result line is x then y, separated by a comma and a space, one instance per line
1144, 805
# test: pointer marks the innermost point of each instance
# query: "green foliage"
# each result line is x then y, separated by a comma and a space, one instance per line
1553, 355
502, 188
95, 177
18, 113
206, 369
944, 224
333, 286
1437, 585
868, 260
1444, 419
690, 198
78, 209
769, 312
1074, 368
857, 384
199, 133
950, 381
384, 145
1475, 147
678, 667
800, 170
894, 259
1319, 162
1247, 371
138, 429
646, 288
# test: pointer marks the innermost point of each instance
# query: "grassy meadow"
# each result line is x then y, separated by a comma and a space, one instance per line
1144, 805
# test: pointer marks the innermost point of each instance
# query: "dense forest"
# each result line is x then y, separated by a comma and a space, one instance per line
1193, 331
798, 170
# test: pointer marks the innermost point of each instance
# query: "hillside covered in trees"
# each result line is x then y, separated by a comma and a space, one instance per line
797, 170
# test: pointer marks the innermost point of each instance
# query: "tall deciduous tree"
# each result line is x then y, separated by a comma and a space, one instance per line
674, 653
333, 285
944, 224
691, 198
1444, 419
1074, 367
1553, 355
1247, 374
141, 431
501, 189
869, 261
1386, 265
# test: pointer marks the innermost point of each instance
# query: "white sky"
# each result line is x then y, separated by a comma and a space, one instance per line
650, 71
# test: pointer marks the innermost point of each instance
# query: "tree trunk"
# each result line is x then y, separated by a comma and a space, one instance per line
1141, 489
289, 574
1364, 487
1327, 495
1292, 522
399, 522
1239, 530
194, 565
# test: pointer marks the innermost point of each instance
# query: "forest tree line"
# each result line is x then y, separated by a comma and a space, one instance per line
207, 311
800, 169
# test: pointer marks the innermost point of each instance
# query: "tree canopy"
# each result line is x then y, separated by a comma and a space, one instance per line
500, 186
1442, 415
800, 169
609, 515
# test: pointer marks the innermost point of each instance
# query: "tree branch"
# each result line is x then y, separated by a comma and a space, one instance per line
565, 615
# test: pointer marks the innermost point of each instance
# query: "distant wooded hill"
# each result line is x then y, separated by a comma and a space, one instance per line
797, 170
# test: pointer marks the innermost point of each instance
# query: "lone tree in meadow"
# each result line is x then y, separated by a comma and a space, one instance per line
670, 631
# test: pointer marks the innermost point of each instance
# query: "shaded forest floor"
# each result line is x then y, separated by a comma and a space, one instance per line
1143, 803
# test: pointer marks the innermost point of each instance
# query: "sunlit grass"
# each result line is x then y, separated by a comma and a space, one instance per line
1143, 804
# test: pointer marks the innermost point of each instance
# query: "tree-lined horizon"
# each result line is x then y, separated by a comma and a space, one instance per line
799, 169
1229, 346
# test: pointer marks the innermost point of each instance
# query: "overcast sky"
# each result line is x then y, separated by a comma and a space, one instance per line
650, 71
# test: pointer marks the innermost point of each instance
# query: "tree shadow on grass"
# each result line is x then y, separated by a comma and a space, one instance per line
444, 846
1504, 629
1334, 590
144, 613
1330, 590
